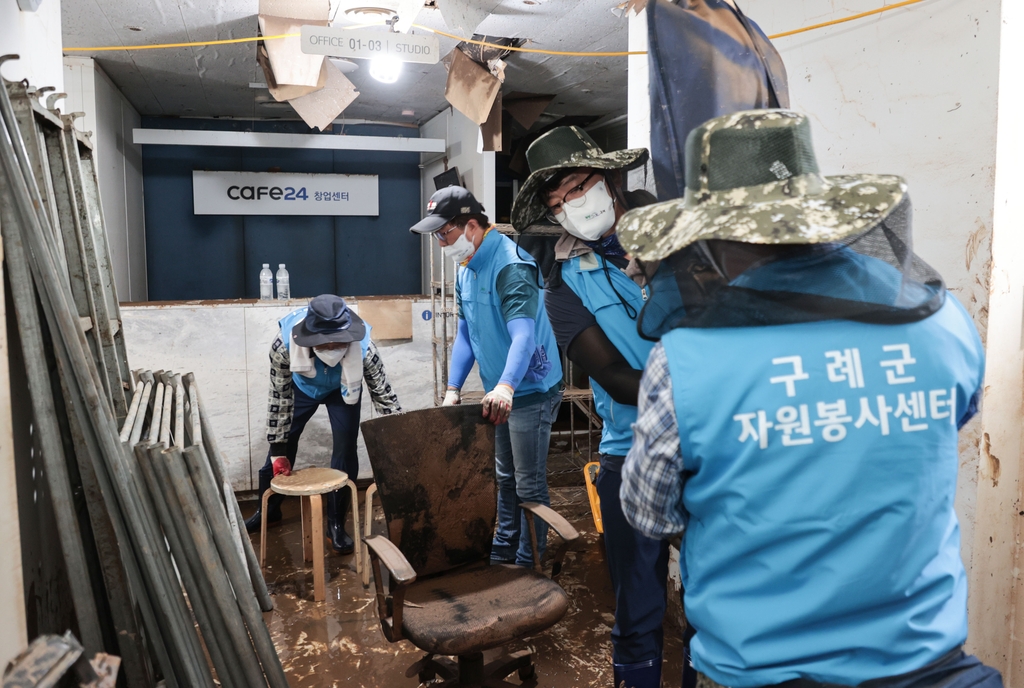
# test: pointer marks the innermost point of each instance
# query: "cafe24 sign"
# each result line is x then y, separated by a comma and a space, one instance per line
276, 193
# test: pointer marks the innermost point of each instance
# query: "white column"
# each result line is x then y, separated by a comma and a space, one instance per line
638, 118
995, 601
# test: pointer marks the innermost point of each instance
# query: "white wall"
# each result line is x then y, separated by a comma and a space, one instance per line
995, 602
111, 118
36, 37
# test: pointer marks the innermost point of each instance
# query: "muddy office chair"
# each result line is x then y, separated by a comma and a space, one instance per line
434, 471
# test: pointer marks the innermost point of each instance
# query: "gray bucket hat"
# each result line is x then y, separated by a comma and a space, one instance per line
752, 177
564, 148
328, 320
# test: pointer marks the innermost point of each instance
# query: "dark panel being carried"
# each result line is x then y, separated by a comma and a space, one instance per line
434, 470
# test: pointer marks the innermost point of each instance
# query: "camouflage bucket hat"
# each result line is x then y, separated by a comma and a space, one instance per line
564, 148
752, 177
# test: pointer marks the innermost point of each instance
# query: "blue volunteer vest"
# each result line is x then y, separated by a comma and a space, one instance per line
327, 380
822, 540
488, 332
585, 275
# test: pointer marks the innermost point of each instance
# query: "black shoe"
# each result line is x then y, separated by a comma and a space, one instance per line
337, 507
340, 540
254, 522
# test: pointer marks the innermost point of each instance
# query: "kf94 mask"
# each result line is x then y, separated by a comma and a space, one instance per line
330, 357
591, 219
459, 250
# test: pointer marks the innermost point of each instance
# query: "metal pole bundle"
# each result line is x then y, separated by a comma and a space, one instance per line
164, 524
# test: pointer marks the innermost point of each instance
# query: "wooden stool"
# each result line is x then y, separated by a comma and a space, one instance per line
309, 484
369, 531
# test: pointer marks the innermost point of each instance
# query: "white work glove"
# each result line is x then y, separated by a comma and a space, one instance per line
498, 403
452, 397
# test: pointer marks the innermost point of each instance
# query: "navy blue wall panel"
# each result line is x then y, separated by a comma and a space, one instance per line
219, 257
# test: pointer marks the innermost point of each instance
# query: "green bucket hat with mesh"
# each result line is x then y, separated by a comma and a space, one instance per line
752, 177
560, 149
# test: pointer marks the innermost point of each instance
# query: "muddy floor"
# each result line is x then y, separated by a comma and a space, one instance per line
339, 642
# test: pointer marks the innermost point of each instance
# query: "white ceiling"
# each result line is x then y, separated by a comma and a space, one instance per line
214, 80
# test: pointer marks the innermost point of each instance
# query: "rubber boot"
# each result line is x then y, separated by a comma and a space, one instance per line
645, 674
255, 522
337, 507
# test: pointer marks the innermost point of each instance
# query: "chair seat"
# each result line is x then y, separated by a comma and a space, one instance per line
309, 481
480, 607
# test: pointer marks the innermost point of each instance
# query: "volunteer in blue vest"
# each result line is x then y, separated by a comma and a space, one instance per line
593, 304
321, 357
503, 326
798, 420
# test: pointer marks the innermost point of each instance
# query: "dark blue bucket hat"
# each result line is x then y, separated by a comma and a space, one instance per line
328, 320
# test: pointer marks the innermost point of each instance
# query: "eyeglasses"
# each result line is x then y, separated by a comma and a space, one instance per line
443, 233
574, 198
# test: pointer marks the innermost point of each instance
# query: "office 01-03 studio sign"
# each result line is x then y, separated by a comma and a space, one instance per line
277, 193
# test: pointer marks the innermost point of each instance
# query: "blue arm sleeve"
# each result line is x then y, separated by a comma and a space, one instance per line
462, 357
523, 344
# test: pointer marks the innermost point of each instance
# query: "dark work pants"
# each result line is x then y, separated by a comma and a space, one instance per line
639, 570
344, 426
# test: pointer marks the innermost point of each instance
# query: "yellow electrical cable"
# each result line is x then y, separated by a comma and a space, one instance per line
539, 51
846, 19
158, 46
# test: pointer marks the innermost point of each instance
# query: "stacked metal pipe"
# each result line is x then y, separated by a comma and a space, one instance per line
161, 540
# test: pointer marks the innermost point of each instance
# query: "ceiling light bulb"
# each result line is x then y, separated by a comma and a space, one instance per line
385, 68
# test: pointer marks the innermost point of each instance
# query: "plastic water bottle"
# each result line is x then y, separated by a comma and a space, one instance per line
284, 290
266, 283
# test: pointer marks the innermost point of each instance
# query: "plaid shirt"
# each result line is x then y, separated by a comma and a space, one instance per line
281, 406
652, 476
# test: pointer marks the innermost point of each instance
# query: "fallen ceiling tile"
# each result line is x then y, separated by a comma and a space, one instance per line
283, 92
291, 66
470, 88
320, 108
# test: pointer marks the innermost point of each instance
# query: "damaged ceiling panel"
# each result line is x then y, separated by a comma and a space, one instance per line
214, 81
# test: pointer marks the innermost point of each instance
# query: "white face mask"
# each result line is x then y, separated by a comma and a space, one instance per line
330, 357
592, 219
460, 249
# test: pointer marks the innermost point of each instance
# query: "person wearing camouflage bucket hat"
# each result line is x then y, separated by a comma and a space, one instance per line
593, 303
809, 459
555, 154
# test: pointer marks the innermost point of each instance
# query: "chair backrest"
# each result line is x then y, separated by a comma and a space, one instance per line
434, 471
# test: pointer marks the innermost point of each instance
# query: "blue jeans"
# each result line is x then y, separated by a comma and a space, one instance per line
521, 466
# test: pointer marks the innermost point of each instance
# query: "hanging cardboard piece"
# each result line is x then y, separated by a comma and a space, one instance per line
471, 89
286, 92
291, 66
320, 108
526, 108
463, 16
490, 131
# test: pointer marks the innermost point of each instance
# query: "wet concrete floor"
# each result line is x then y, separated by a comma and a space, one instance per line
339, 643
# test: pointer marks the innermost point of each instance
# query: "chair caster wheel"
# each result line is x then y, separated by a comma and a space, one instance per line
527, 673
